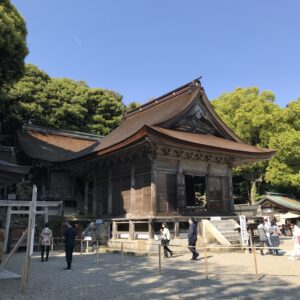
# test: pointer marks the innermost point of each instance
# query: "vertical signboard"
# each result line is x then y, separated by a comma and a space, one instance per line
244, 232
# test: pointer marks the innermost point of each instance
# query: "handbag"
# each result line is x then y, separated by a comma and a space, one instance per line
165, 242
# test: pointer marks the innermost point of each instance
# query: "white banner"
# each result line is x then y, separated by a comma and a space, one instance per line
244, 232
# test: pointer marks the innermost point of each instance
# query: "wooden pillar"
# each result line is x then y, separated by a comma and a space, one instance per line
46, 219
61, 208
7, 225
151, 229
109, 205
131, 230
132, 189
153, 186
229, 174
176, 230
114, 229
181, 199
86, 197
208, 202
5, 193
95, 194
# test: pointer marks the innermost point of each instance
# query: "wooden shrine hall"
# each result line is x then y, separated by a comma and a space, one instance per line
169, 159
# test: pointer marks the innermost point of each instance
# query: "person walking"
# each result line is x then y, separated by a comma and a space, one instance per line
268, 229
192, 238
69, 235
165, 240
46, 240
262, 232
275, 233
296, 235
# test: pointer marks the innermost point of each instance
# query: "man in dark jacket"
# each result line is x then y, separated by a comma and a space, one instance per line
192, 238
69, 235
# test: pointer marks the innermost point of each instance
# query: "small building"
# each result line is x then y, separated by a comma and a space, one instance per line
274, 204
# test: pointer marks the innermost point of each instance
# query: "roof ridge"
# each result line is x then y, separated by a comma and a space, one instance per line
186, 87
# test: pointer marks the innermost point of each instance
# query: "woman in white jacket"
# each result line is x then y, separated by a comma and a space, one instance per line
165, 240
296, 234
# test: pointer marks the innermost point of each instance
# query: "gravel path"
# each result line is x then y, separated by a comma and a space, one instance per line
231, 276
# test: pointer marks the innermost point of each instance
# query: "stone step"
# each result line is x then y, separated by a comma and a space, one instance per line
228, 234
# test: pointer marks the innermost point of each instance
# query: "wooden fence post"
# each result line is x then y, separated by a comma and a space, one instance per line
159, 259
254, 257
206, 266
30, 240
97, 252
122, 255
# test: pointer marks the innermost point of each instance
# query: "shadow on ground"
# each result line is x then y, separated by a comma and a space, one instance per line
138, 278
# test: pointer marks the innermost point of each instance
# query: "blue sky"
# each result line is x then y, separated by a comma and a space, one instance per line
145, 48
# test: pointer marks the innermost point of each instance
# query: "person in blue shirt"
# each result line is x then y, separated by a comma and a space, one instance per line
69, 235
192, 238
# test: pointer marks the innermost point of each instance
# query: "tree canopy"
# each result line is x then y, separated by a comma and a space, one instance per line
252, 115
133, 105
258, 120
13, 48
59, 103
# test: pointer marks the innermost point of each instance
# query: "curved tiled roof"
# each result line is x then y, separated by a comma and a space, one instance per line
55, 145
194, 141
155, 112
154, 118
211, 142
283, 201
162, 110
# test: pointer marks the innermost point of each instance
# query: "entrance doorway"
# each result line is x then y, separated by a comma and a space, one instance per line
195, 190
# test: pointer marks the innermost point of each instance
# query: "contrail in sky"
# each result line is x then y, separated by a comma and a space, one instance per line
76, 38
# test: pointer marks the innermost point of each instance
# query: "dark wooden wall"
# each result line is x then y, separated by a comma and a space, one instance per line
166, 192
128, 185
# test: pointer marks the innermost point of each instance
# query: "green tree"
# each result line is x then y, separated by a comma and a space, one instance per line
291, 114
283, 171
284, 168
105, 110
254, 117
59, 103
133, 105
13, 47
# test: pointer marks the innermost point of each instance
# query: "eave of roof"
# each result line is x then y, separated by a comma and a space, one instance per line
12, 168
53, 145
192, 140
11, 173
209, 142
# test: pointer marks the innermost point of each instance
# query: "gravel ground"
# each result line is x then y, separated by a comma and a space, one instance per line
231, 276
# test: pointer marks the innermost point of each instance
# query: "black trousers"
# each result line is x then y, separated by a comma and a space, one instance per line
43, 248
165, 243
192, 248
69, 255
